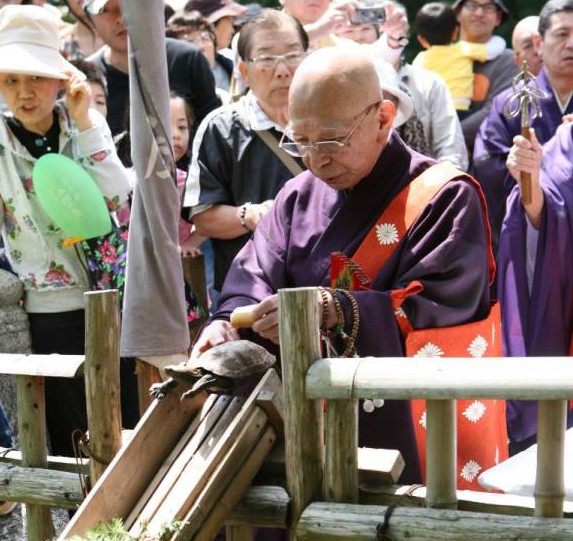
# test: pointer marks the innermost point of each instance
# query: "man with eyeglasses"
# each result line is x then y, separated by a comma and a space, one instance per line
478, 20
341, 126
237, 167
554, 43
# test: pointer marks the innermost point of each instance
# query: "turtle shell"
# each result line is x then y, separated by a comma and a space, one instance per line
236, 359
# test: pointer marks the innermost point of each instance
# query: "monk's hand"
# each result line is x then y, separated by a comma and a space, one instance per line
217, 332
255, 212
266, 319
395, 26
567, 119
78, 95
525, 157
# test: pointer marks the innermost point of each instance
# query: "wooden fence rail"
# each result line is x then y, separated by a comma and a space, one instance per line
343, 381
32, 482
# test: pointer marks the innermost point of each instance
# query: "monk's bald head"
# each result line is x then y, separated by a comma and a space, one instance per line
335, 100
335, 83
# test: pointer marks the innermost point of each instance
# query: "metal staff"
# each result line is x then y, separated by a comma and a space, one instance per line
524, 101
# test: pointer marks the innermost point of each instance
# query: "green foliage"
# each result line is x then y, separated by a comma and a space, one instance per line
115, 531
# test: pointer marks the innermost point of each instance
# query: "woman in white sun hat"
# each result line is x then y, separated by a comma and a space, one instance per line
33, 73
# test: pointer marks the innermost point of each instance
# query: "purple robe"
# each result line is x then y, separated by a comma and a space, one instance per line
539, 324
495, 138
446, 249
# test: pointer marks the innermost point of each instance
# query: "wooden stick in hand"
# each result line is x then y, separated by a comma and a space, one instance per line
525, 177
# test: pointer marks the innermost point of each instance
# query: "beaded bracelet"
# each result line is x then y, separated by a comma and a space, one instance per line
242, 216
324, 299
350, 350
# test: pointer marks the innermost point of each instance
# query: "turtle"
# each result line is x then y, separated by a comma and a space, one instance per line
219, 369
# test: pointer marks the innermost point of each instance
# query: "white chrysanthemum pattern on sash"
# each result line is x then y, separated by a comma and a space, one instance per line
399, 312
470, 470
387, 234
422, 421
429, 350
478, 346
475, 411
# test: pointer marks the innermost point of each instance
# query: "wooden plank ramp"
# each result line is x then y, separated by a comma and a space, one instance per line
188, 462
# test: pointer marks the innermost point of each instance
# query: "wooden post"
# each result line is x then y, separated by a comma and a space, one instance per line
341, 460
32, 433
194, 274
299, 332
102, 379
549, 482
147, 375
441, 461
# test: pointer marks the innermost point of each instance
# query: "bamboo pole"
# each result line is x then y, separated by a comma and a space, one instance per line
300, 347
519, 378
341, 460
102, 379
549, 482
31, 407
441, 464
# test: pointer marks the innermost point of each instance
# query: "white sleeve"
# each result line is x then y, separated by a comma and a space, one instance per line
495, 46
447, 138
96, 153
382, 51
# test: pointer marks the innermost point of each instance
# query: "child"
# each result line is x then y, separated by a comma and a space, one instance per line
437, 28
98, 84
32, 74
182, 120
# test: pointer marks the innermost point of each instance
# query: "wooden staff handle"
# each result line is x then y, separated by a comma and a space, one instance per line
242, 317
526, 177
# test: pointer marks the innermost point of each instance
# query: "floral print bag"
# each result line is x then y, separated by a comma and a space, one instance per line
106, 258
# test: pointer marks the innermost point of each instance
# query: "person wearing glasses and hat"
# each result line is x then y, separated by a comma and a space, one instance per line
339, 224
478, 20
33, 73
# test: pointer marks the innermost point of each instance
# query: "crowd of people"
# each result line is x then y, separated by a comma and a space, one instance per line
298, 134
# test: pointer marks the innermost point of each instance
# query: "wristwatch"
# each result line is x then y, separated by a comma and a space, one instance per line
397, 43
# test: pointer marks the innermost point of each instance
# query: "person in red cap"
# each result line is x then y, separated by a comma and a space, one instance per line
221, 14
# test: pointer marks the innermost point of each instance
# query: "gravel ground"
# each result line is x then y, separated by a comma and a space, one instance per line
12, 526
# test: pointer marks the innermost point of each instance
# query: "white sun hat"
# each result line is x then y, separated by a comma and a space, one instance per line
390, 82
30, 43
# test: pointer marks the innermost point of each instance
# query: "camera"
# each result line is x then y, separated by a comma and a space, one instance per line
369, 14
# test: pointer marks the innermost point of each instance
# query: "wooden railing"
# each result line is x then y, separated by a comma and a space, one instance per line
321, 464
30, 475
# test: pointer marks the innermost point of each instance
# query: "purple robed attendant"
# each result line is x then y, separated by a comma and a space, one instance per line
494, 140
540, 323
446, 249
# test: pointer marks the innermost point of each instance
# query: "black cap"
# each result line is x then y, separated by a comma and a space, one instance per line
503, 8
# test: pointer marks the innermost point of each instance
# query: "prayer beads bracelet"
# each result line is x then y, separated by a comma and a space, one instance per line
242, 216
337, 307
350, 349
